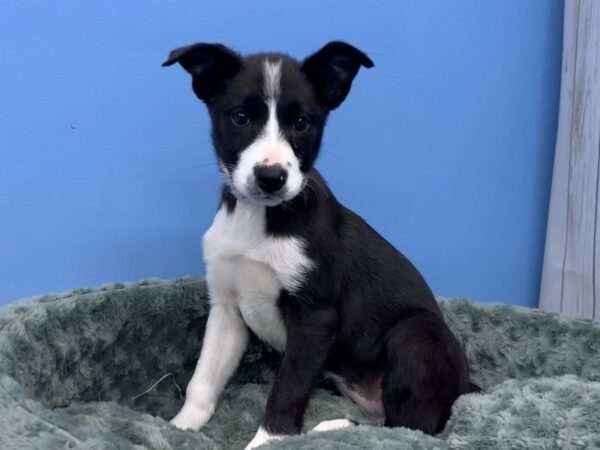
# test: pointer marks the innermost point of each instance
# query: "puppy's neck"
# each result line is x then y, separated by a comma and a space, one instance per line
283, 219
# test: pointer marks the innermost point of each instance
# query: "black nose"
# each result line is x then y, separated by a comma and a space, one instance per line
270, 178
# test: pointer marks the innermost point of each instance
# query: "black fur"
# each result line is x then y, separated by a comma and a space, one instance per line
365, 312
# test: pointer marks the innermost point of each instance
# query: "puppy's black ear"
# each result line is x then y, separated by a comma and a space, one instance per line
211, 66
332, 69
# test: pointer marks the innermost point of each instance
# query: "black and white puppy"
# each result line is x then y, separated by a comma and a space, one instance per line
286, 260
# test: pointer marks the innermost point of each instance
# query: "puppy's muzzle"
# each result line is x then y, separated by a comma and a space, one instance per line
270, 179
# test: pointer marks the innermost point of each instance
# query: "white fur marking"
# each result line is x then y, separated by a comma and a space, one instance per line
192, 417
252, 268
245, 272
270, 145
330, 425
261, 437
225, 340
272, 73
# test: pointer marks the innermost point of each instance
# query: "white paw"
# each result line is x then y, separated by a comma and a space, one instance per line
192, 417
330, 425
261, 437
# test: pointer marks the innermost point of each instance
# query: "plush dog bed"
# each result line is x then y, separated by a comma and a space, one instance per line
105, 368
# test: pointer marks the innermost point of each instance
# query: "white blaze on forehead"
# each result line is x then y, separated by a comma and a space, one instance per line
270, 146
272, 74
272, 90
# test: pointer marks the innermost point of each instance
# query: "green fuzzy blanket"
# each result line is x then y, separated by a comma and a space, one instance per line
106, 368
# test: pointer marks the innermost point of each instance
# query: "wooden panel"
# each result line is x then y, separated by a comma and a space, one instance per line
552, 282
572, 250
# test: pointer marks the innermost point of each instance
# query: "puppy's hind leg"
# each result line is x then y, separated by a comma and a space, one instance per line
425, 372
335, 424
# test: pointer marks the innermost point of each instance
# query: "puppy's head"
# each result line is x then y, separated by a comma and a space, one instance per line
268, 112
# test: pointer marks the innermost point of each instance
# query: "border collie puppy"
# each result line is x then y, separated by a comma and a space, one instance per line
287, 261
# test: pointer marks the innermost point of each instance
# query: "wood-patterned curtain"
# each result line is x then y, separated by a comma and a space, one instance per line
571, 273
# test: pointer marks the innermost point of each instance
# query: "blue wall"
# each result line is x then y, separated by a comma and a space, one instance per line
446, 147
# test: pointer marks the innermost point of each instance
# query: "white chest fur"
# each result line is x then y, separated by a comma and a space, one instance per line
247, 268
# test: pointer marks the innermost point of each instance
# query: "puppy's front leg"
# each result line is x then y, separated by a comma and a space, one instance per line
224, 343
310, 335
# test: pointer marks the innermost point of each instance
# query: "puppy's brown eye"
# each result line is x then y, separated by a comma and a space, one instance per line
240, 119
302, 123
